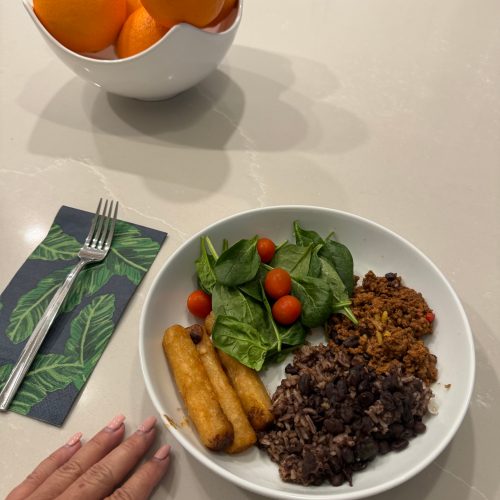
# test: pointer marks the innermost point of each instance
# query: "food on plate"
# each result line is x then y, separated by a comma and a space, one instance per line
254, 322
214, 429
334, 415
277, 283
139, 32
199, 303
244, 434
286, 310
392, 322
266, 249
82, 25
364, 393
251, 391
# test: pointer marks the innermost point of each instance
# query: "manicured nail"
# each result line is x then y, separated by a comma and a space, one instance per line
163, 452
115, 423
147, 425
74, 439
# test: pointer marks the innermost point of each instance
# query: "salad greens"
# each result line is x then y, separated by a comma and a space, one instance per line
322, 279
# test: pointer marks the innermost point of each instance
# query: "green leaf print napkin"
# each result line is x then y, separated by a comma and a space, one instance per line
87, 318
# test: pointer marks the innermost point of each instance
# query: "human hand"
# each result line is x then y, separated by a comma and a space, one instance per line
97, 469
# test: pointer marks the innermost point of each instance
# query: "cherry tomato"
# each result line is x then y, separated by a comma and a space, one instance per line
277, 283
265, 249
286, 310
199, 303
429, 316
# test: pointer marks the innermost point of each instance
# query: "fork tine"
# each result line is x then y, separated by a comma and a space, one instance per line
111, 229
94, 220
107, 218
99, 225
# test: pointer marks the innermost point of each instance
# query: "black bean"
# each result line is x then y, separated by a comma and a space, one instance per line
387, 400
366, 424
330, 390
196, 333
354, 376
346, 413
334, 426
290, 369
341, 390
383, 447
365, 399
351, 341
390, 276
399, 444
357, 466
419, 427
337, 479
407, 434
366, 449
335, 464
305, 384
396, 429
347, 455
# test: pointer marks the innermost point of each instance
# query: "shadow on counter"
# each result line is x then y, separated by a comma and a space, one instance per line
257, 102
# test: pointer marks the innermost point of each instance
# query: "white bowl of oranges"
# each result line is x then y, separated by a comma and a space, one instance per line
144, 49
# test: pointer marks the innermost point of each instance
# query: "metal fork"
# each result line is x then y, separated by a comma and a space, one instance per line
95, 249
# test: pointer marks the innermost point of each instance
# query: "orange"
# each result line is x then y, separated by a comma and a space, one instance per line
199, 13
132, 5
82, 25
139, 32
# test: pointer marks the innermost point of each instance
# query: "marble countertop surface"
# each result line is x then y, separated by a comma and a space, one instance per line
386, 109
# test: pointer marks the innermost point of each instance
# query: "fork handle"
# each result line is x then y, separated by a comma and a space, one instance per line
36, 338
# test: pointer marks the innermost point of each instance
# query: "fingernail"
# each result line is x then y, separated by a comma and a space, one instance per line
74, 439
115, 423
147, 425
162, 453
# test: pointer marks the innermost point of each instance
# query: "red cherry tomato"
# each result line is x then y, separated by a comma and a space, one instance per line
265, 249
199, 303
286, 310
277, 283
429, 316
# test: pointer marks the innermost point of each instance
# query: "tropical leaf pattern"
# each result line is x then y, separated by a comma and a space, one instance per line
32, 305
89, 314
56, 246
90, 333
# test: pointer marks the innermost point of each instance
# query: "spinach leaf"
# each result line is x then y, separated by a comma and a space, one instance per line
293, 335
205, 268
239, 340
304, 237
294, 259
230, 301
271, 322
315, 294
238, 264
253, 287
341, 258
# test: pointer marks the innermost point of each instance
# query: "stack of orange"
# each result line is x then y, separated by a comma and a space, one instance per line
133, 25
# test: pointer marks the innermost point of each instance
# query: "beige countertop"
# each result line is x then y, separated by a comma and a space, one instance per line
386, 109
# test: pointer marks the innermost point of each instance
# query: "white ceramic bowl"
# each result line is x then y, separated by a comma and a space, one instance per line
177, 62
373, 247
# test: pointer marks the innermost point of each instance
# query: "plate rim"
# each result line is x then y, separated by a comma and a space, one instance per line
273, 493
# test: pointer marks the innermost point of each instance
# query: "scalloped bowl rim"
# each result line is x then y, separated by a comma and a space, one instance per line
178, 27
274, 493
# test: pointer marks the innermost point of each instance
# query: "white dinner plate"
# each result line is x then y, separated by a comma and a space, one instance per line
374, 248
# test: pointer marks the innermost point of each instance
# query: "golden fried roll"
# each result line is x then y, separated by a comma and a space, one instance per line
251, 391
244, 435
209, 322
203, 407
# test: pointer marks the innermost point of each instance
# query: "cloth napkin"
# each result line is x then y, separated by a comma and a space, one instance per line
87, 319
